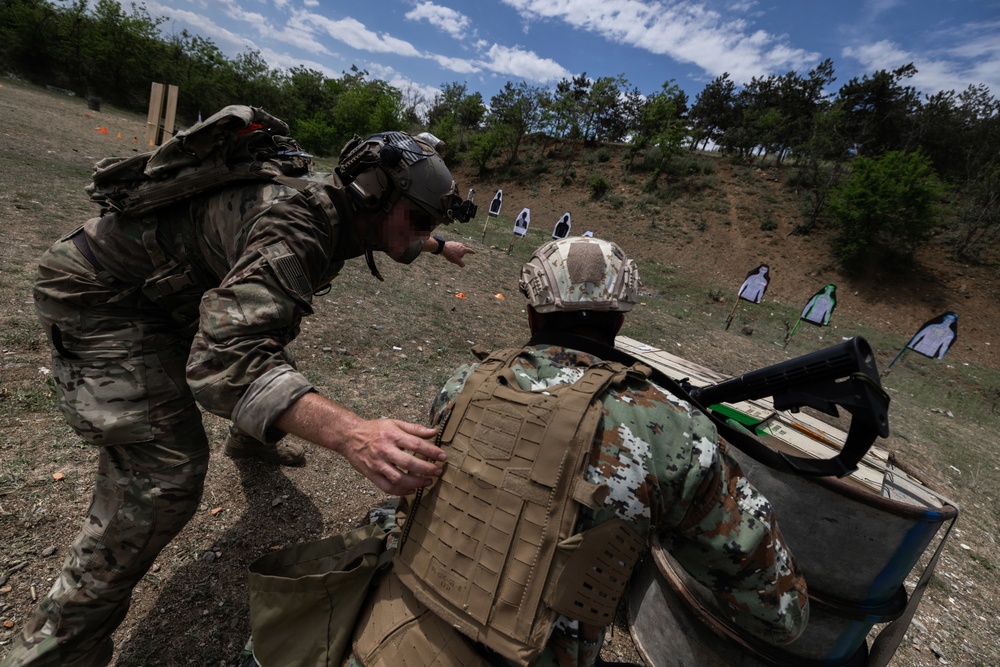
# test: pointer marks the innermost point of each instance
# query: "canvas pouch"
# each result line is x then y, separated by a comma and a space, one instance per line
305, 599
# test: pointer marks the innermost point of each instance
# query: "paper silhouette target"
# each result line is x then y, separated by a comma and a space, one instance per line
562, 227
520, 227
820, 307
496, 204
933, 339
817, 310
494, 211
936, 336
752, 289
522, 222
755, 285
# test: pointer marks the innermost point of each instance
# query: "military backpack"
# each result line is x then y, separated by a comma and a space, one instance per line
237, 144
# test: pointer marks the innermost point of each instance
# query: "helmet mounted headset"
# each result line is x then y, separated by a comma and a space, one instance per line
386, 167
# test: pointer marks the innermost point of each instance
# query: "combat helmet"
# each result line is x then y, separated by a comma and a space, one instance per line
385, 167
580, 273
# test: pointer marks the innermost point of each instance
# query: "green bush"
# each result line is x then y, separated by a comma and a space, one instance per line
885, 209
598, 185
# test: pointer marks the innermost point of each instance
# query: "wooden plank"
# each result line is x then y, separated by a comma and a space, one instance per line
171, 114
153, 117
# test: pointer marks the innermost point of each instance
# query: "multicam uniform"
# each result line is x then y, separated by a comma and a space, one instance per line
667, 473
192, 306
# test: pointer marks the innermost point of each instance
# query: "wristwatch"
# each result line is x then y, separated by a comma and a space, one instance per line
440, 247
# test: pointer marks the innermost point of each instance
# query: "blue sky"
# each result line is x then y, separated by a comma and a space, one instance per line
419, 45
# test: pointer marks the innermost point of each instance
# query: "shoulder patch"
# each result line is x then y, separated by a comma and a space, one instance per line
288, 269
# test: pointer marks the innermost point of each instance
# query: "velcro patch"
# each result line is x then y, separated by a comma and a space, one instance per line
288, 269
585, 263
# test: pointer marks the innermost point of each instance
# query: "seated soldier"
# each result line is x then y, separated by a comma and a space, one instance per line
561, 466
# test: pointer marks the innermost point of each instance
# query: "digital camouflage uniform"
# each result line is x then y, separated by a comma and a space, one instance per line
667, 472
192, 305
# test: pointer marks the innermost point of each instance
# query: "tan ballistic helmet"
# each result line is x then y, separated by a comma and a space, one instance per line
384, 167
580, 273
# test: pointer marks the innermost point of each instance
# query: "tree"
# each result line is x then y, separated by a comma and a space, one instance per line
565, 108
879, 111
256, 83
661, 123
29, 32
885, 209
603, 120
303, 92
799, 101
821, 163
713, 112
979, 214
353, 104
122, 50
455, 113
514, 112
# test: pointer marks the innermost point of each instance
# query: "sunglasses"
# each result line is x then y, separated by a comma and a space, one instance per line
421, 220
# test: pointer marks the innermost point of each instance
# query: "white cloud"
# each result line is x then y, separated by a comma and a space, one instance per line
457, 65
949, 69
872, 9
355, 34
524, 64
221, 37
236, 12
407, 86
443, 18
687, 32
284, 61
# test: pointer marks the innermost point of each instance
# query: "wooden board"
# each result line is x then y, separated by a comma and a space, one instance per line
153, 116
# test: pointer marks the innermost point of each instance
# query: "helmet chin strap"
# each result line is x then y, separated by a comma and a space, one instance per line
386, 207
370, 254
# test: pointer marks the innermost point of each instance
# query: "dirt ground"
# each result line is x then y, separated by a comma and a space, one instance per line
382, 349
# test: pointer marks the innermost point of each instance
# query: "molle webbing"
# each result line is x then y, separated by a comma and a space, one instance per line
482, 546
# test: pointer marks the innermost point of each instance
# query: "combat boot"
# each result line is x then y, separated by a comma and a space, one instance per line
282, 453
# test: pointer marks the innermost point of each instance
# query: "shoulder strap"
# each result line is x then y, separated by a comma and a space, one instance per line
486, 368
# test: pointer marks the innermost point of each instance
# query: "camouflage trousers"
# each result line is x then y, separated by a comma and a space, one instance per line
119, 364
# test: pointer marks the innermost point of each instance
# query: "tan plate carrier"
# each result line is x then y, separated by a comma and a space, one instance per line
491, 548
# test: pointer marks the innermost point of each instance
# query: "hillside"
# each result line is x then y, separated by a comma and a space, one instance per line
383, 349
716, 225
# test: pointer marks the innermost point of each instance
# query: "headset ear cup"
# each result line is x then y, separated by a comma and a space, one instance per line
389, 156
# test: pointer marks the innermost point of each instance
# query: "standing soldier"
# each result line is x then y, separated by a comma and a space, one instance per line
150, 316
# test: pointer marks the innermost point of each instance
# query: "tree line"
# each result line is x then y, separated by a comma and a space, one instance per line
882, 162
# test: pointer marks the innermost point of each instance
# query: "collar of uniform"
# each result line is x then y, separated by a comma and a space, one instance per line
574, 342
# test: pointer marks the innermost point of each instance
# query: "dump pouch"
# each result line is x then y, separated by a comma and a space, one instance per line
305, 599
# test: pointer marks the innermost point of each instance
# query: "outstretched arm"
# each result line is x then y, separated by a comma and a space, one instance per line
453, 251
395, 455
